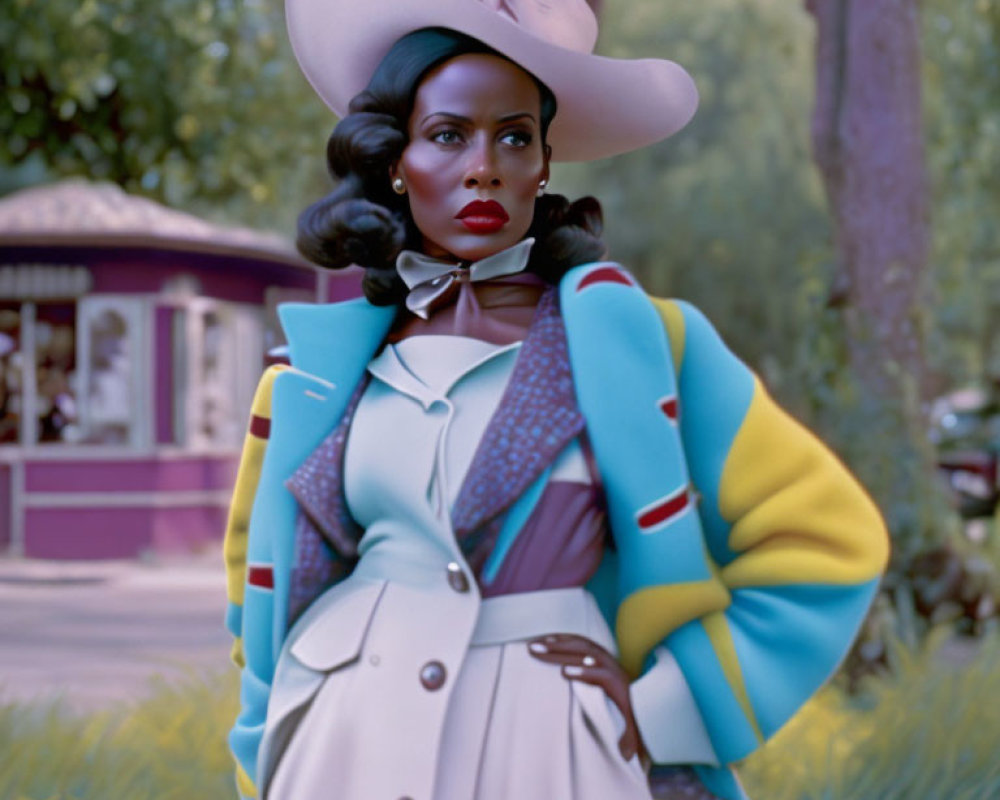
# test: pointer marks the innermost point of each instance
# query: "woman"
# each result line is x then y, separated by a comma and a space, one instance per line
467, 481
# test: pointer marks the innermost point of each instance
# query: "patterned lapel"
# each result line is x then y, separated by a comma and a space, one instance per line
536, 419
318, 485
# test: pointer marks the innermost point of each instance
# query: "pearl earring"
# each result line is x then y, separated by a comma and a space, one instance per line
398, 186
541, 186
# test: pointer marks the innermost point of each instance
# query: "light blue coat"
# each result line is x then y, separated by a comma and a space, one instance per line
743, 547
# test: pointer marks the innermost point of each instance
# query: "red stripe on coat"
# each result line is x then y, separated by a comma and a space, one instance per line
605, 275
671, 506
260, 426
261, 577
668, 405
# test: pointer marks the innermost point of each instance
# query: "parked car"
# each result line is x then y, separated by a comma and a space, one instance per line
965, 429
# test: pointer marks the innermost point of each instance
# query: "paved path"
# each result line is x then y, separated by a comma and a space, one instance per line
95, 633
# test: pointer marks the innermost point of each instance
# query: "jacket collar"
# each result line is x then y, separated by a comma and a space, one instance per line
335, 341
536, 419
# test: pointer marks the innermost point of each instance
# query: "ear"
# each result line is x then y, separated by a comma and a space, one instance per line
547, 156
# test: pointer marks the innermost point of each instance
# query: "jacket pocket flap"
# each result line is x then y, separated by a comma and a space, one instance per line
333, 630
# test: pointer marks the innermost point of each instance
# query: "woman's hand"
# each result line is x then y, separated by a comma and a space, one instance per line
584, 660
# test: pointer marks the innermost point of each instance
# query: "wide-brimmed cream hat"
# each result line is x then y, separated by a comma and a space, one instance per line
606, 106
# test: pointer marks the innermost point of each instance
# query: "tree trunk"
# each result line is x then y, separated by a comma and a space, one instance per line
868, 144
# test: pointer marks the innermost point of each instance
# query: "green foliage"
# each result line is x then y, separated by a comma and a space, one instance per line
928, 731
171, 746
729, 213
197, 103
962, 78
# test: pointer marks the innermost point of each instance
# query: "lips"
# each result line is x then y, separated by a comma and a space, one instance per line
483, 216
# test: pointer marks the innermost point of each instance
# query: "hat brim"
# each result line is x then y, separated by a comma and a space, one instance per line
606, 106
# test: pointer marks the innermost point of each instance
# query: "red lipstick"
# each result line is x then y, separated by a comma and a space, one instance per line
483, 216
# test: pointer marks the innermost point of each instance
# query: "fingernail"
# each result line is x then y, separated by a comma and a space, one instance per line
573, 672
538, 647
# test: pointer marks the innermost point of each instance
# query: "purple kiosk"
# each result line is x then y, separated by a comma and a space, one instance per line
131, 340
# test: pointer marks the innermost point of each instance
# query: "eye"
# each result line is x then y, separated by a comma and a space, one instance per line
517, 138
446, 136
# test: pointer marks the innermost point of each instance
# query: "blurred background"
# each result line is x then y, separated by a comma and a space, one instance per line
832, 208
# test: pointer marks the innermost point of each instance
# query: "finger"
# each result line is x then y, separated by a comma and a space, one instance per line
569, 645
604, 679
600, 678
552, 638
628, 745
595, 676
577, 654
570, 660
562, 641
565, 659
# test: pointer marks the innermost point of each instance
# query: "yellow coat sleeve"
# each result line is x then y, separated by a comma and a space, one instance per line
238, 523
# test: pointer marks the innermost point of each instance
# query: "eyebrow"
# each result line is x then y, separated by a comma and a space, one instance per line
459, 118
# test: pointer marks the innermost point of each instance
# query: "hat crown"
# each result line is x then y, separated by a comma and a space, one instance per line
606, 105
565, 23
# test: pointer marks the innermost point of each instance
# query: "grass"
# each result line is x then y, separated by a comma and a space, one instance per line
170, 746
929, 732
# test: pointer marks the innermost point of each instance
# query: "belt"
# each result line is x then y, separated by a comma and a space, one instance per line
527, 615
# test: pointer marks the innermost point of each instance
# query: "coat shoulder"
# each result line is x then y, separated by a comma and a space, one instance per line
605, 291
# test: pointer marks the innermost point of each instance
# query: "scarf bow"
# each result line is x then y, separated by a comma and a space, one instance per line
431, 280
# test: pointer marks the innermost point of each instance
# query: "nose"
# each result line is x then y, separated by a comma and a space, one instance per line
482, 168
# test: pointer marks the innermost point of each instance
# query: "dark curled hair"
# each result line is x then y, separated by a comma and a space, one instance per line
364, 222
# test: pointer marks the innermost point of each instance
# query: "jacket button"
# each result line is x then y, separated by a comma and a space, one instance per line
432, 675
456, 578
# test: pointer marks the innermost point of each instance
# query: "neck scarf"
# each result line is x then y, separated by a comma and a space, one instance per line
491, 299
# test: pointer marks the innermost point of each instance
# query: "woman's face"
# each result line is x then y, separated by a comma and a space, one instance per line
475, 158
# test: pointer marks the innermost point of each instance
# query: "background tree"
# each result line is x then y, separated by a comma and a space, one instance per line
197, 103
868, 142
730, 212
